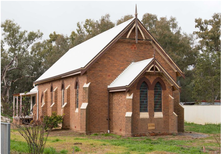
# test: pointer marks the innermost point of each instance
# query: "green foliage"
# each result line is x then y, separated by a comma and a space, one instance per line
52, 121
22, 147
123, 19
89, 29
16, 61
207, 128
56, 140
160, 144
77, 138
76, 148
178, 45
113, 135
207, 71
95, 134
19, 146
34, 135
63, 151
52, 150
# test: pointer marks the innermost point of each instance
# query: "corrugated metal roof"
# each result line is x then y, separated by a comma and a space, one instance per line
80, 55
130, 73
31, 92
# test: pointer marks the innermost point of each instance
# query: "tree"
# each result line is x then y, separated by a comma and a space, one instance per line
16, 60
207, 71
123, 19
47, 52
178, 45
89, 29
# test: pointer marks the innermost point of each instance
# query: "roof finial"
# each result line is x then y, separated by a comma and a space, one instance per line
136, 11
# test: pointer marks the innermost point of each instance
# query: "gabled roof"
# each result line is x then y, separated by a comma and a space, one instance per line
79, 56
133, 72
130, 73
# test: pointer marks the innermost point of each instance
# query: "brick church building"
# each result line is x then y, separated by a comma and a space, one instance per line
120, 81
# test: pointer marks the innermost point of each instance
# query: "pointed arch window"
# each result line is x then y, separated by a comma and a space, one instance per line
76, 94
143, 97
62, 93
51, 94
158, 97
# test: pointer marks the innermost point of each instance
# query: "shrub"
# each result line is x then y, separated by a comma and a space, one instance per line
52, 121
35, 136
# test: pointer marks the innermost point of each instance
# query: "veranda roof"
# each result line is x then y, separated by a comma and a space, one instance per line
130, 73
31, 92
79, 56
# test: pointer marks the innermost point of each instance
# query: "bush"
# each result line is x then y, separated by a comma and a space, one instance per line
52, 121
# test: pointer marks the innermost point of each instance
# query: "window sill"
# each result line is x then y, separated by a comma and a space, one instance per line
158, 114
128, 114
76, 110
64, 105
84, 106
144, 115
42, 105
52, 104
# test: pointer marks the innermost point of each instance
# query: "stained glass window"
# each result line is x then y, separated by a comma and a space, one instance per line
76, 95
143, 97
62, 96
158, 97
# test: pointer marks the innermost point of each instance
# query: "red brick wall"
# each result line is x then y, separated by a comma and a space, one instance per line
72, 119
179, 110
117, 112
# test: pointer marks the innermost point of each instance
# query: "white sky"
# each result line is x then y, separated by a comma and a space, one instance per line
62, 16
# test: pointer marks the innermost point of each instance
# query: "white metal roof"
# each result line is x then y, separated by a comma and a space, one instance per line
31, 92
80, 55
130, 73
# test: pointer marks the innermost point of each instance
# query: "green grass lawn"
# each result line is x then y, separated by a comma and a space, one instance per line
67, 141
207, 128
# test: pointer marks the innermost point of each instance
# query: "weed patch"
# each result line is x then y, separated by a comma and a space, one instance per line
76, 148
56, 140
95, 134
148, 145
52, 150
19, 146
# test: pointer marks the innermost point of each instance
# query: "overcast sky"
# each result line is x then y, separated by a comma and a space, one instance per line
62, 16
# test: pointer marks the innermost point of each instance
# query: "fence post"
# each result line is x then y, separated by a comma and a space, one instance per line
5, 138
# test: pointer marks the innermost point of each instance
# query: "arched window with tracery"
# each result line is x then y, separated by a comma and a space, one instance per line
143, 97
158, 97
